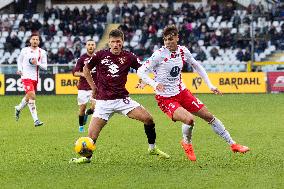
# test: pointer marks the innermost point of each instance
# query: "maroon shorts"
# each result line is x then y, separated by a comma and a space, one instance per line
29, 85
184, 99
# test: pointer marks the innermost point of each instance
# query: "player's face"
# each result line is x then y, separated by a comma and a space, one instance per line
34, 41
115, 44
171, 42
90, 46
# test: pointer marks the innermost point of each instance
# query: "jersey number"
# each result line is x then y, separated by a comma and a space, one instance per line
198, 103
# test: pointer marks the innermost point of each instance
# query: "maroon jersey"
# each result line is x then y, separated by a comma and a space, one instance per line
83, 84
112, 71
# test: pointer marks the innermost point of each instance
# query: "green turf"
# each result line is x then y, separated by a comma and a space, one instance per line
38, 157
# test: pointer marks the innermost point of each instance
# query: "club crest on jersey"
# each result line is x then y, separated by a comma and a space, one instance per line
121, 60
30, 61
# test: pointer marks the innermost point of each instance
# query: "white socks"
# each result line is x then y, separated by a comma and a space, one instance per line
22, 104
187, 133
152, 146
32, 108
220, 130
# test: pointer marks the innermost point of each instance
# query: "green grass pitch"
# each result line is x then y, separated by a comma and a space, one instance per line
38, 157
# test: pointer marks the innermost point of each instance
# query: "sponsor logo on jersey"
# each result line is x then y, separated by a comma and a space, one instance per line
175, 71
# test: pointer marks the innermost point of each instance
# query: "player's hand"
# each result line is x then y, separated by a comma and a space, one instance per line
19, 73
160, 87
34, 62
216, 91
141, 84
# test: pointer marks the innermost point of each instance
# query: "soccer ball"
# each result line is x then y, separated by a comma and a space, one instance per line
85, 146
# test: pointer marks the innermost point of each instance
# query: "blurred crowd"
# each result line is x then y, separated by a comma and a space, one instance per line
192, 22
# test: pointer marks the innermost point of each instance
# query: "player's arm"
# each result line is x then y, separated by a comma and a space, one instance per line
76, 70
20, 63
146, 68
87, 74
43, 63
201, 71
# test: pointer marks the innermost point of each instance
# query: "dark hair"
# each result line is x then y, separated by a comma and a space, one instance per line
116, 33
89, 40
170, 30
34, 34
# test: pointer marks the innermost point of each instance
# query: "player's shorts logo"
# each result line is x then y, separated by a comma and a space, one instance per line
175, 71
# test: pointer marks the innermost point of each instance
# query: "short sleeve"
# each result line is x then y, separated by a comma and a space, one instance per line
78, 66
94, 60
135, 61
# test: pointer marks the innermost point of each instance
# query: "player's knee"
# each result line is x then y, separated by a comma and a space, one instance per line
190, 121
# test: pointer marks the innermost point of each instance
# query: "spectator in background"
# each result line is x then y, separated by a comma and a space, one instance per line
200, 54
17, 6
240, 55
125, 9
77, 52
214, 52
214, 9
52, 58
69, 43
247, 55
116, 12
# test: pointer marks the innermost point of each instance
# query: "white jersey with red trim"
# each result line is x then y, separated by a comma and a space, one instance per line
30, 71
167, 66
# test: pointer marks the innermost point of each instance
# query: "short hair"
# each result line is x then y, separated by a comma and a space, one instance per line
170, 30
116, 33
34, 34
89, 40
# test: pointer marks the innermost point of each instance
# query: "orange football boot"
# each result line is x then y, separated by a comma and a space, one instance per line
239, 148
188, 149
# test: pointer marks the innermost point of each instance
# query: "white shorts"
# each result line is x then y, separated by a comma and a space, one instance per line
84, 97
106, 108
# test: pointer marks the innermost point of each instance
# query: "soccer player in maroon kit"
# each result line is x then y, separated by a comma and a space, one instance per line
112, 67
84, 89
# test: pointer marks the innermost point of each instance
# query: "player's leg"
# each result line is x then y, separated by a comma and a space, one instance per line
32, 106
181, 114
141, 114
220, 129
30, 87
24, 101
102, 114
83, 98
134, 110
90, 111
82, 108
172, 107
95, 128
20, 106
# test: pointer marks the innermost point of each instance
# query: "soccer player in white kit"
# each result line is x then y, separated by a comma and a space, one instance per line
171, 94
30, 60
